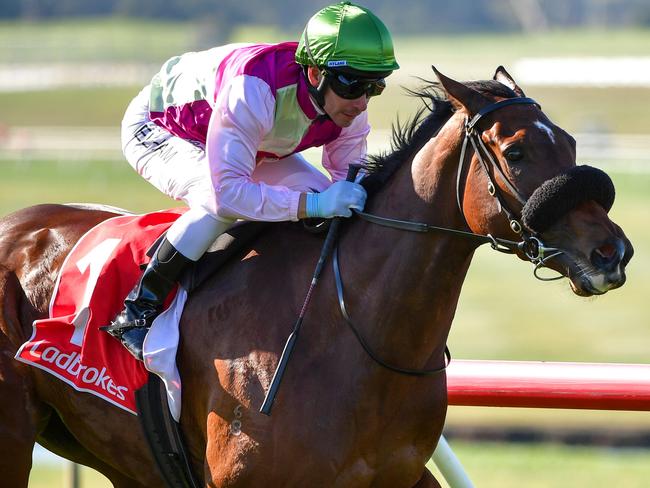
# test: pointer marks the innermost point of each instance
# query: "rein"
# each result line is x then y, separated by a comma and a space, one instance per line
532, 247
364, 344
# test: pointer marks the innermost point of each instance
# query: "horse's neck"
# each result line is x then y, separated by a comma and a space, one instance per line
406, 283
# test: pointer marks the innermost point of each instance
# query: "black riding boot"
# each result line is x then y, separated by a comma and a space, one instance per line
145, 301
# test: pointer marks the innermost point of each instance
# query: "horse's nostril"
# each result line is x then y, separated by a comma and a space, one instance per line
606, 257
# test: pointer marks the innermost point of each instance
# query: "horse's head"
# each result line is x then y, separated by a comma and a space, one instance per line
518, 179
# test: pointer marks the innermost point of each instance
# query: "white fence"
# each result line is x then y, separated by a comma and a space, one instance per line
620, 152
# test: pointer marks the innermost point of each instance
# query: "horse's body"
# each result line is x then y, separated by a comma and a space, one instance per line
339, 419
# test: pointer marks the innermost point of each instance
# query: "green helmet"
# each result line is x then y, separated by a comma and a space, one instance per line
347, 36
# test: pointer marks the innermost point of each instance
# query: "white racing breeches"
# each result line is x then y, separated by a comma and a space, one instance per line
179, 168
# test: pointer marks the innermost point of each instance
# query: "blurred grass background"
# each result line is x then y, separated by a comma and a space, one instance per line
504, 312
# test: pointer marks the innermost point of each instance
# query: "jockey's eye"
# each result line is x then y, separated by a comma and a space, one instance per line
514, 154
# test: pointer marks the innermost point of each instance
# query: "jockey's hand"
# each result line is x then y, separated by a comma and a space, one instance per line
336, 201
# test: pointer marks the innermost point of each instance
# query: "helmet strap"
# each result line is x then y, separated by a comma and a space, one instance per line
317, 93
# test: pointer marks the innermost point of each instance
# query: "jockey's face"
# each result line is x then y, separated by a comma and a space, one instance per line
341, 110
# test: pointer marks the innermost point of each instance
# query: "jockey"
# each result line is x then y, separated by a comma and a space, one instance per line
223, 129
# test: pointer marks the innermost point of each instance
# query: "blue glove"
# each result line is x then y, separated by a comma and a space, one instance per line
336, 201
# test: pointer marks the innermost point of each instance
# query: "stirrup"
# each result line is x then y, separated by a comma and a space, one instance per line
117, 327
131, 334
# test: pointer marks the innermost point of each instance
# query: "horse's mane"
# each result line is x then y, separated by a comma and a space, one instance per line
408, 138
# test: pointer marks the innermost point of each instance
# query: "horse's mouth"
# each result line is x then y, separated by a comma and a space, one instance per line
583, 288
596, 269
586, 280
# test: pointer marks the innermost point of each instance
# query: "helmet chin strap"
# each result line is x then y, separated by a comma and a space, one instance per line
318, 92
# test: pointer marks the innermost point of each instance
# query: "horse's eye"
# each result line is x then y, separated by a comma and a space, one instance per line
514, 154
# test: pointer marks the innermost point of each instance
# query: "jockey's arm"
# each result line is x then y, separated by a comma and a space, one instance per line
349, 148
242, 116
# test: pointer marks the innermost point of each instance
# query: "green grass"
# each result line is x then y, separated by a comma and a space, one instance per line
488, 465
461, 57
492, 465
88, 107
105, 182
117, 39
504, 313
121, 39
91, 40
58, 476
567, 42
478, 55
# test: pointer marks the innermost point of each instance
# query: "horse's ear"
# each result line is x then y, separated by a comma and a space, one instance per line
460, 95
503, 77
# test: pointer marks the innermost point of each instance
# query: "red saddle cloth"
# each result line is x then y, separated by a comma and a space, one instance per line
99, 272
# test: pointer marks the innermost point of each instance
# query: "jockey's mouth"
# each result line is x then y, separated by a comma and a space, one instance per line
352, 115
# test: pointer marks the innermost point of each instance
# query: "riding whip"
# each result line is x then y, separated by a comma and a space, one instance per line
353, 169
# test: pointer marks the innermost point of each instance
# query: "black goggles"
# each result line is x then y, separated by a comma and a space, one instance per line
353, 88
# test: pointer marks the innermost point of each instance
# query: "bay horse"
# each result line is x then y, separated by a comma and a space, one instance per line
340, 419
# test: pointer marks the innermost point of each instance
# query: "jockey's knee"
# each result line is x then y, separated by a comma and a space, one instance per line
195, 231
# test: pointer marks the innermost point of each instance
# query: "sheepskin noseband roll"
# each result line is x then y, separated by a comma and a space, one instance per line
561, 194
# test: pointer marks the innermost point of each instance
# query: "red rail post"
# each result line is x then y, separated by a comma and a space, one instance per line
537, 384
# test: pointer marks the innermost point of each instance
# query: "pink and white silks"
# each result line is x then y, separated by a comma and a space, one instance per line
223, 129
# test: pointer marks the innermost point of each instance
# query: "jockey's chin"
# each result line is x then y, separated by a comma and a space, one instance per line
343, 111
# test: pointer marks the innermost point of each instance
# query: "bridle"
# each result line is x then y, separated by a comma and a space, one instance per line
530, 245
